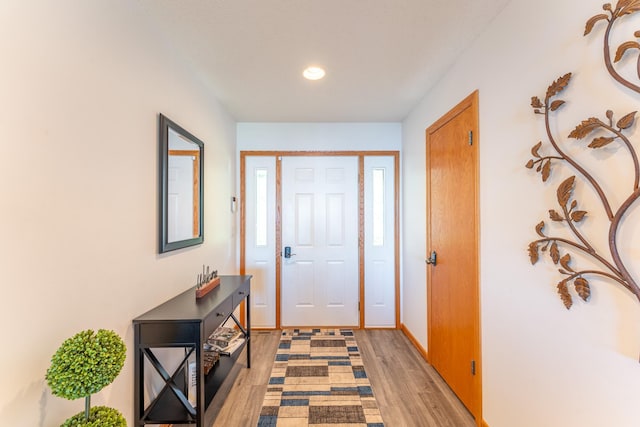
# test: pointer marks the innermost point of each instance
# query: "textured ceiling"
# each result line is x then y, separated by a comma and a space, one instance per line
381, 56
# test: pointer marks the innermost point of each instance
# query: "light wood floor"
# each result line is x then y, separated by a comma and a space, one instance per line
408, 390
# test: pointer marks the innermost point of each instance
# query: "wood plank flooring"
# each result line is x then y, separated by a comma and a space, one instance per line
409, 391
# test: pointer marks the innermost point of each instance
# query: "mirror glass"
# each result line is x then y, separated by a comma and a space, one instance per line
181, 187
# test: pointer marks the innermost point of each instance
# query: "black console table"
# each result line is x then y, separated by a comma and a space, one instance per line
186, 322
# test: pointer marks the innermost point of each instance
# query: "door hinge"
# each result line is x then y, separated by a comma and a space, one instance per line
470, 137
473, 367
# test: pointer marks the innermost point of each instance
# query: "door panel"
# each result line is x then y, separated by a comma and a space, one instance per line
320, 284
379, 241
453, 304
304, 273
336, 284
260, 238
303, 219
335, 220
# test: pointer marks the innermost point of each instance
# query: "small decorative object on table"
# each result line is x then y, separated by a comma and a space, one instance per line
224, 341
206, 281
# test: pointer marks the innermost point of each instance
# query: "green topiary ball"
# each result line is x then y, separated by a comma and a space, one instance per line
86, 363
99, 416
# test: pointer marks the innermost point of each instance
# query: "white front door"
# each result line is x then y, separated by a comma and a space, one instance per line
320, 280
180, 198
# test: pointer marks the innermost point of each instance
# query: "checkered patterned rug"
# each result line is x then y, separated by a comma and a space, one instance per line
318, 380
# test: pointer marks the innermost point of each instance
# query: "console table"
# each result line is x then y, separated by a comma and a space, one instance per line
185, 322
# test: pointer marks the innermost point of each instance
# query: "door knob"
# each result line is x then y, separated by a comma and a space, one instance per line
432, 259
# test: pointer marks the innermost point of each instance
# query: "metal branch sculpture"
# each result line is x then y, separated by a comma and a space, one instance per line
603, 132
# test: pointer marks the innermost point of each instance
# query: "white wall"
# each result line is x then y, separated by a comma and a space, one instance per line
81, 86
319, 136
543, 365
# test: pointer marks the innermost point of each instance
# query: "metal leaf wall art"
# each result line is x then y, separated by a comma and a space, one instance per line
595, 133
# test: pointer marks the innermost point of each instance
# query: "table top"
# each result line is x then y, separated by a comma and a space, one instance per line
186, 307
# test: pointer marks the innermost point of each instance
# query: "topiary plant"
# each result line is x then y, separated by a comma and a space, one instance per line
99, 416
83, 365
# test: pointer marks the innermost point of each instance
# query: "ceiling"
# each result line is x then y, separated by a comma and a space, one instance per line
381, 56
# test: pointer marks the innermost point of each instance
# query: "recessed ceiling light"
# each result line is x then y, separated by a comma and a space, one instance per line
313, 73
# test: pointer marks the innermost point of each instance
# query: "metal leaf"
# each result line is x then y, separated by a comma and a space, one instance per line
627, 121
535, 149
585, 128
539, 228
529, 164
564, 190
563, 291
533, 252
564, 262
578, 216
592, 21
601, 142
558, 86
556, 104
554, 253
624, 47
582, 288
536, 103
546, 170
628, 7
555, 216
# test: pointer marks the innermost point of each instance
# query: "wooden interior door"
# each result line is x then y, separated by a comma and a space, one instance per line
452, 233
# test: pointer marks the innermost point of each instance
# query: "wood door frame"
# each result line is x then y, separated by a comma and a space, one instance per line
471, 102
396, 226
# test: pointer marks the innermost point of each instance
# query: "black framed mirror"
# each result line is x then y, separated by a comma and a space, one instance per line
181, 187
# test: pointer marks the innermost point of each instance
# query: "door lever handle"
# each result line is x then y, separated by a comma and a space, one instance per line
432, 259
287, 252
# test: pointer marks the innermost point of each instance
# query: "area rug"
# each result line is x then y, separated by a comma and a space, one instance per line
318, 380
